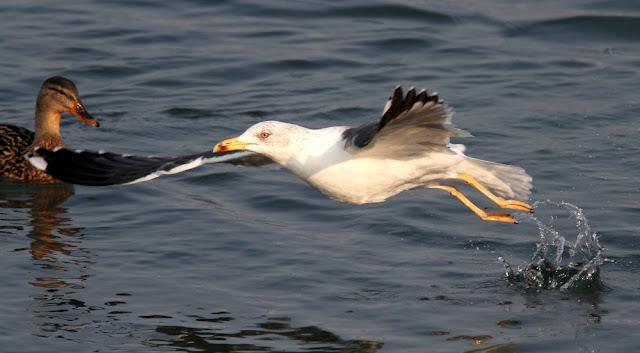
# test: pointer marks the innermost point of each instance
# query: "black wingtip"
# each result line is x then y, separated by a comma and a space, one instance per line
399, 103
396, 106
398, 95
409, 99
422, 96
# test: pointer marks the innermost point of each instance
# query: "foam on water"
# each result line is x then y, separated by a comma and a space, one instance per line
559, 262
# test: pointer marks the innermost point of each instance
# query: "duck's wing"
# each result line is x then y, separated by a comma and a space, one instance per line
105, 168
14, 141
414, 123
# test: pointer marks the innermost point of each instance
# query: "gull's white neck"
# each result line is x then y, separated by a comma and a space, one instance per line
314, 150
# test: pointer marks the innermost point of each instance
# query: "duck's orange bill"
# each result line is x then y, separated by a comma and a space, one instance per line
80, 112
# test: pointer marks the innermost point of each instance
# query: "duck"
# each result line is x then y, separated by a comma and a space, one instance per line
57, 95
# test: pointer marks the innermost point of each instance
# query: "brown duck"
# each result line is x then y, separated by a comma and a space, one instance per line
57, 95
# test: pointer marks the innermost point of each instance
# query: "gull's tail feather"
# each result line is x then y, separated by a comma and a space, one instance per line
505, 180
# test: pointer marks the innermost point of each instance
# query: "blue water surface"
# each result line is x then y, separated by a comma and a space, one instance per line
237, 259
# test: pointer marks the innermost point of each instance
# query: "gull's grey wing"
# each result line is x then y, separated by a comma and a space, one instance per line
409, 121
99, 169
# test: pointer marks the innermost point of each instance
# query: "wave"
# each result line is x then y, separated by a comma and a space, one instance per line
576, 28
381, 11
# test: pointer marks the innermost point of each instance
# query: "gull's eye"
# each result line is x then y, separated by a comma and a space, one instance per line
264, 135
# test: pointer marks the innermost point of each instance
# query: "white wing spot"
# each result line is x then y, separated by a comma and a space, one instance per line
457, 148
386, 107
38, 162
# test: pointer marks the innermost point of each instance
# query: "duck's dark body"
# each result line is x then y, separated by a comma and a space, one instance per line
56, 96
15, 141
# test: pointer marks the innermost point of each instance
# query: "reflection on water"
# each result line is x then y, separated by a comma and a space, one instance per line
497, 348
272, 335
60, 265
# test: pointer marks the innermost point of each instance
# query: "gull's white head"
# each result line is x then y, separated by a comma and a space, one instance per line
274, 139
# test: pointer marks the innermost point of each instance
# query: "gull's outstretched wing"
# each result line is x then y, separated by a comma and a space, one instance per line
99, 169
415, 122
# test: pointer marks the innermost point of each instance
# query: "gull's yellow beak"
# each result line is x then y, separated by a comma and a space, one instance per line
230, 145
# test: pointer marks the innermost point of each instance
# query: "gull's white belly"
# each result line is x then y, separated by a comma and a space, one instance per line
364, 180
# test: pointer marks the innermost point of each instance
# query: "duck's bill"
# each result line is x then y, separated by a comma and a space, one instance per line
83, 115
232, 144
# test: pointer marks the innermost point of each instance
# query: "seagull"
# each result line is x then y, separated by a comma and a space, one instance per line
408, 147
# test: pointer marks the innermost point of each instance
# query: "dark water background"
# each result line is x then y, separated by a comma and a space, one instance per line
226, 259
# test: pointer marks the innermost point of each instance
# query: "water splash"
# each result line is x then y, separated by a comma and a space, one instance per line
559, 263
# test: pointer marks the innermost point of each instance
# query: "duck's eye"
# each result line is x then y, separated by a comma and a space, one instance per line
264, 135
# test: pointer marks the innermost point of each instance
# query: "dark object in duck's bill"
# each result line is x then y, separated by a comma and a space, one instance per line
101, 169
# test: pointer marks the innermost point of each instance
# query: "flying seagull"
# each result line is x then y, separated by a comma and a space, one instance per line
407, 148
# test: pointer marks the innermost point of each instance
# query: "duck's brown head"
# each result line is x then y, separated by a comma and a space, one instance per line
59, 95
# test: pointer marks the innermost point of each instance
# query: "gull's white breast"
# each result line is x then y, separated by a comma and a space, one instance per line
321, 160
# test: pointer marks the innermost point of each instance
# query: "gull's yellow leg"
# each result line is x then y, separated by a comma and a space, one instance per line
503, 203
486, 216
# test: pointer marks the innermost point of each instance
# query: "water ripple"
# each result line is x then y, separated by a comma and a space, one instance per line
381, 11
581, 28
208, 259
